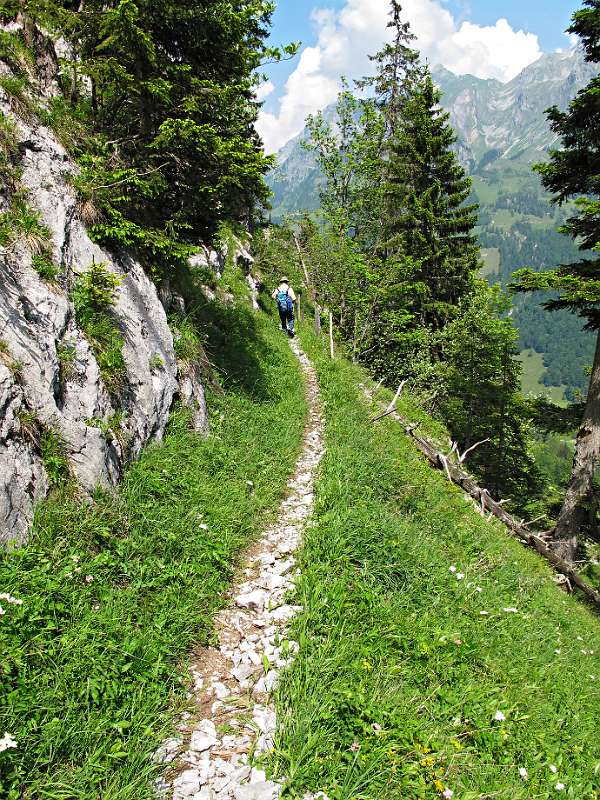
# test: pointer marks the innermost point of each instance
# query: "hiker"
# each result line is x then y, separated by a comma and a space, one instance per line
284, 294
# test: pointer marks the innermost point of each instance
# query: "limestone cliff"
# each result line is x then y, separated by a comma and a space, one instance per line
38, 326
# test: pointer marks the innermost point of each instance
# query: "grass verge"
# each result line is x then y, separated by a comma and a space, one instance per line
115, 592
437, 657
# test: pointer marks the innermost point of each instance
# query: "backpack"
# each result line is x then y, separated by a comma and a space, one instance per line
284, 301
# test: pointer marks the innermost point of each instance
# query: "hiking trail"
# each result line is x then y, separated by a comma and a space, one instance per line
232, 717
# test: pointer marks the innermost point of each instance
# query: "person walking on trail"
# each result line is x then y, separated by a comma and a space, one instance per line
284, 294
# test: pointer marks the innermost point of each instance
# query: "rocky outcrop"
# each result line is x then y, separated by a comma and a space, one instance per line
50, 380
37, 324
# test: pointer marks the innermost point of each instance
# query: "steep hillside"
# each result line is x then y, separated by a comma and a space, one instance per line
437, 658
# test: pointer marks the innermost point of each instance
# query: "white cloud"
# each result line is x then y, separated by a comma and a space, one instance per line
345, 39
264, 90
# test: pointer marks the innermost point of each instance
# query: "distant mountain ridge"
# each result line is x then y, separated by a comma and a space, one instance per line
500, 126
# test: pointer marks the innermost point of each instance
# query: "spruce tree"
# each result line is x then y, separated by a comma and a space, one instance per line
573, 173
427, 218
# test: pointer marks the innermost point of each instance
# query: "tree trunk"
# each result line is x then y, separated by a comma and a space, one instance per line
579, 497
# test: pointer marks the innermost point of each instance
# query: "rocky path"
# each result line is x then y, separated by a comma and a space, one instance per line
232, 719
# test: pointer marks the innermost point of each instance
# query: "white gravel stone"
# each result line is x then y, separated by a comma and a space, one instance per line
186, 785
255, 600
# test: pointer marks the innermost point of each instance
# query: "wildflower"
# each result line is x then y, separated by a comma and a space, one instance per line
376, 727
203, 526
484, 613
580, 638
354, 747
557, 651
460, 576
89, 578
559, 787
523, 773
452, 568
457, 642
447, 794
499, 716
76, 559
10, 599
510, 610
478, 589
6, 742
2, 611
553, 769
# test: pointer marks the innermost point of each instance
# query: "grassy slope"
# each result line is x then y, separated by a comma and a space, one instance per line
390, 637
90, 670
533, 371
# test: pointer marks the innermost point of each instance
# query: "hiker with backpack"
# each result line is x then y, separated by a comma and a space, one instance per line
284, 294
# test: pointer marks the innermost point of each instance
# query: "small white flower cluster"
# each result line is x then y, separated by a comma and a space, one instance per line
458, 575
9, 599
559, 787
7, 742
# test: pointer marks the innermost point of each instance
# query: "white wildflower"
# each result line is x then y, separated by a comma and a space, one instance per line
580, 638
10, 599
499, 716
447, 794
510, 610
452, 568
7, 742
559, 787
557, 651
2, 611
484, 613
203, 526
523, 773
460, 576
89, 578
553, 769
478, 589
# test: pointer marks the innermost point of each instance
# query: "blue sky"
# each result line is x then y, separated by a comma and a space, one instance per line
337, 35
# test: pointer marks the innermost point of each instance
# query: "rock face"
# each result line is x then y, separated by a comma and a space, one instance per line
42, 390
37, 322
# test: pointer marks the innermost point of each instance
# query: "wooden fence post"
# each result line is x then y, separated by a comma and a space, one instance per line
331, 335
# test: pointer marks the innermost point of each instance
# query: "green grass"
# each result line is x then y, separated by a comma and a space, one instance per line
533, 371
399, 677
491, 262
91, 667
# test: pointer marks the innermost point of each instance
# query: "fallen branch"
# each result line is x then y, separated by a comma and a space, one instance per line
461, 459
482, 497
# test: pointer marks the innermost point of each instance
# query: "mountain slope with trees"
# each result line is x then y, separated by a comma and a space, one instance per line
517, 225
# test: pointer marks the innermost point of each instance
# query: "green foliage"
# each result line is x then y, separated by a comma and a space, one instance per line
115, 592
54, 457
44, 265
156, 362
481, 400
159, 108
398, 678
94, 296
9, 149
95, 290
15, 53
19, 97
66, 353
22, 222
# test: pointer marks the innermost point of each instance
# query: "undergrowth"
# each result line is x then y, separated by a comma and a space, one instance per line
437, 656
117, 590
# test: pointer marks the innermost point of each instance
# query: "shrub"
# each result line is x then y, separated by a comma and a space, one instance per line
93, 296
45, 267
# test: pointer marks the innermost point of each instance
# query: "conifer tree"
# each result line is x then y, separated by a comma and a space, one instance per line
573, 173
427, 218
